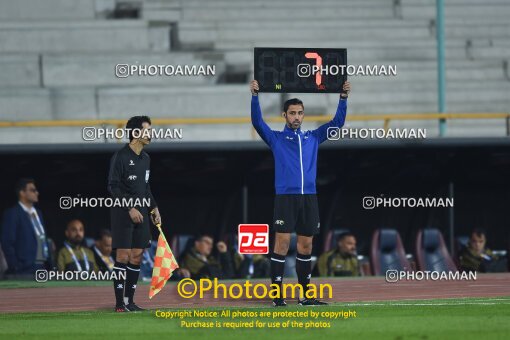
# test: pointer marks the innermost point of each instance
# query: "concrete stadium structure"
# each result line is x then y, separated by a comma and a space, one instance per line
58, 61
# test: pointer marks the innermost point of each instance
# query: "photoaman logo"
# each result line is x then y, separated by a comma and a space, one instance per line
253, 238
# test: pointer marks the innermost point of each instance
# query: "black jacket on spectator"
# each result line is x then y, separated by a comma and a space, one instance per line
220, 267
99, 261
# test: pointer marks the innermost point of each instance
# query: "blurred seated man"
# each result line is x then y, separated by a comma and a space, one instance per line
102, 249
74, 256
261, 266
248, 265
23, 236
201, 264
341, 261
243, 264
251, 265
475, 256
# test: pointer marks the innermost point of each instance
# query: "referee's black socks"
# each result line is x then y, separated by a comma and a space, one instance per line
118, 285
277, 268
304, 271
132, 273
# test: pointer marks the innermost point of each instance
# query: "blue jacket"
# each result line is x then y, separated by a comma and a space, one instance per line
18, 238
295, 151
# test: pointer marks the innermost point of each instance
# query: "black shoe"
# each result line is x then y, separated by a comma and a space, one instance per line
279, 302
121, 309
132, 307
311, 302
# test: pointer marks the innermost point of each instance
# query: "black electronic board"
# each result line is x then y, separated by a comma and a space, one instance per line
306, 70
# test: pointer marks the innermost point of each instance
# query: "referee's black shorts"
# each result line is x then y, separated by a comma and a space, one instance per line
296, 213
125, 233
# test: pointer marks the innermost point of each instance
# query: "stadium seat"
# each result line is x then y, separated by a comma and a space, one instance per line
331, 238
89, 241
181, 243
460, 243
431, 252
387, 252
148, 262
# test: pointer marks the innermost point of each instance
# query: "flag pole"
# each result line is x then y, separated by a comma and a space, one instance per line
164, 263
158, 225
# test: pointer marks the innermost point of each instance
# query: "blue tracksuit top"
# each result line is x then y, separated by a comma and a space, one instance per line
295, 151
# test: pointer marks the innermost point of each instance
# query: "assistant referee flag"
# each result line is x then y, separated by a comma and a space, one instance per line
164, 264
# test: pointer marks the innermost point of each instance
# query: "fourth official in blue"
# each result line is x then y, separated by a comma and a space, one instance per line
295, 206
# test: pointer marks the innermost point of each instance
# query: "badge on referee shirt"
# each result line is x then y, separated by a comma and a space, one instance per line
147, 172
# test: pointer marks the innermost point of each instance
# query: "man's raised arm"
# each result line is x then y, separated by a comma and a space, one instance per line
260, 126
339, 118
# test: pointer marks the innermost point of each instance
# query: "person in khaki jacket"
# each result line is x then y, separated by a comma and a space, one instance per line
476, 257
341, 261
74, 256
201, 264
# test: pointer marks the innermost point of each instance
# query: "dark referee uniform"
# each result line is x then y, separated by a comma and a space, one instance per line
295, 156
129, 178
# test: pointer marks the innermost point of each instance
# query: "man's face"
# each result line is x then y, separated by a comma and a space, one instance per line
294, 116
477, 243
30, 194
204, 246
144, 133
75, 232
105, 245
347, 245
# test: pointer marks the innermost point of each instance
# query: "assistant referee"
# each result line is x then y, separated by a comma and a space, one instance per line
295, 208
128, 181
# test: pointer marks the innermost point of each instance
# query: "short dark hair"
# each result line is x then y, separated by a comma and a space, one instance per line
344, 235
74, 220
293, 101
478, 232
103, 233
136, 123
200, 237
22, 183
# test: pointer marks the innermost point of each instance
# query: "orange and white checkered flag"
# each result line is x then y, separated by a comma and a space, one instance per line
164, 264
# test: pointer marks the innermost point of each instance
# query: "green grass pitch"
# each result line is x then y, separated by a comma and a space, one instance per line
473, 318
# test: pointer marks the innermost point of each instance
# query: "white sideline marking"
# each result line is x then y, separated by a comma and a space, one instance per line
451, 303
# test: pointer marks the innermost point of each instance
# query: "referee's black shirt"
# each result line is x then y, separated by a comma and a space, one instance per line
129, 176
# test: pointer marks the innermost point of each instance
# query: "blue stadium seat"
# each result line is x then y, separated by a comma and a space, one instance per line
387, 252
180, 243
431, 252
89, 241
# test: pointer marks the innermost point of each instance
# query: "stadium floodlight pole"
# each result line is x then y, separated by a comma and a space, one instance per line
441, 76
